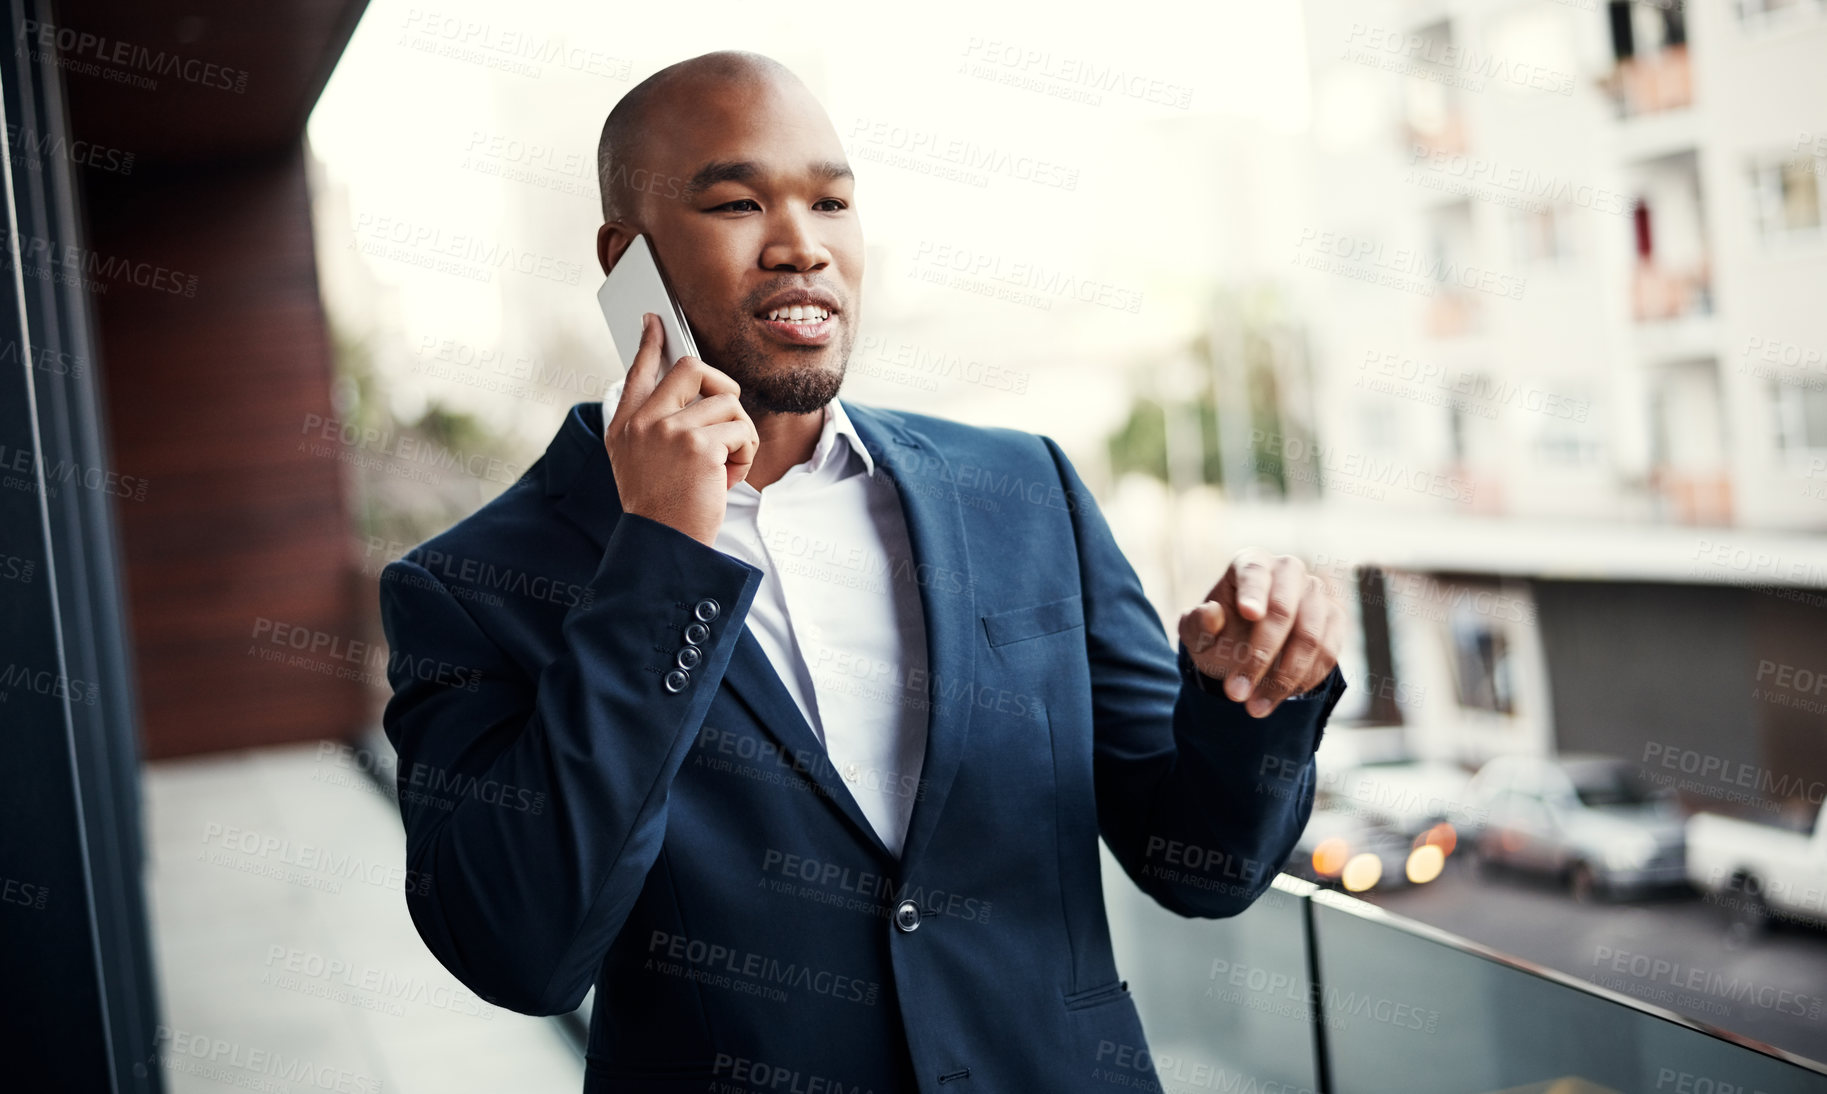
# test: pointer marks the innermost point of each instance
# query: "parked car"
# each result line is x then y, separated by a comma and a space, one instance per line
1596, 821
1758, 872
1343, 848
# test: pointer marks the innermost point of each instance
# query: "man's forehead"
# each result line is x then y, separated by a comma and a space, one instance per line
759, 172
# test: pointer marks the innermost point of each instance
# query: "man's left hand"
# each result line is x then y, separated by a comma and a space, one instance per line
1269, 629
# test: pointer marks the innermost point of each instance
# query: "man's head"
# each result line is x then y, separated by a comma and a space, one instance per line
731, 169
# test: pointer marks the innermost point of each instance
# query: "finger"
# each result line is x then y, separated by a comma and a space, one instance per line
1199, 627
689, 379
643, 372
1282, 599
738, 443
1294, 665
710, 410
1252, 578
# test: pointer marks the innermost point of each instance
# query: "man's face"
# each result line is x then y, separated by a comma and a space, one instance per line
750, 209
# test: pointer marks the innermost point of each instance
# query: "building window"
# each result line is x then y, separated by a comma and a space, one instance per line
1481, 664
1760, 14
1801, 415
1787, 194
1542, 235
1649, 45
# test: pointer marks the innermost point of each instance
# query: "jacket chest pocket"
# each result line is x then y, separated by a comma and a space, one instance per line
1034, 620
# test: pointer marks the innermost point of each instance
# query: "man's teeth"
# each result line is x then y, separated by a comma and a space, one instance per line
809, 313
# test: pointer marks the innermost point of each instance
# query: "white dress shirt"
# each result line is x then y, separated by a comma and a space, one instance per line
838, 613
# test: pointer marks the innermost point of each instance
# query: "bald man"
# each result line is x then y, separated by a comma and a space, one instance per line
791, 725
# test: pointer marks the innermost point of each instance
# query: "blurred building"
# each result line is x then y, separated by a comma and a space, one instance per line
1563, 275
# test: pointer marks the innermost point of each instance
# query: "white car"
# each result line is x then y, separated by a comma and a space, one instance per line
1758, 872
1596, 821
1409, 796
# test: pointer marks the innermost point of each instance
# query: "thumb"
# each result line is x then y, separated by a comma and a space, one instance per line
1199, 627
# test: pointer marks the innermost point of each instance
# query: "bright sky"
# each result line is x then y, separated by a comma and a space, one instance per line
473, 125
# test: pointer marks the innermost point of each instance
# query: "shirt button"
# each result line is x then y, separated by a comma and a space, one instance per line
697, 634
850, 772
688, 657
705, 610
676, 680
907, 916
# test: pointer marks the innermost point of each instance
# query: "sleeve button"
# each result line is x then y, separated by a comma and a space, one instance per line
697, 633
706, 610
677, 679
688, 657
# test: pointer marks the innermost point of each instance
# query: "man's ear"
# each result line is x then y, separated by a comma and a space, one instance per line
611, 240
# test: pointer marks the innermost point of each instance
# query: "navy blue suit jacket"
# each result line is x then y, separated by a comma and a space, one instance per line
581, 810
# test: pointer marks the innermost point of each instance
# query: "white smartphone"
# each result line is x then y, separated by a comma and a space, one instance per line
634, 286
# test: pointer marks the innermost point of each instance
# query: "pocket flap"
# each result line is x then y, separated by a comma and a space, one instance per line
1034, 620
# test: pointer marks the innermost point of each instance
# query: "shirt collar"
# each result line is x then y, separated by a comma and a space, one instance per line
837, 424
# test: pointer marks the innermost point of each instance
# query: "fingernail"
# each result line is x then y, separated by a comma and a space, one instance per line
1237, 687
1257, 707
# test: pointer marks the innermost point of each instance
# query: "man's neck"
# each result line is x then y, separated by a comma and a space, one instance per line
786, 440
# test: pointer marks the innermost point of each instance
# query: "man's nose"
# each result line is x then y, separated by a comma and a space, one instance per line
793, 243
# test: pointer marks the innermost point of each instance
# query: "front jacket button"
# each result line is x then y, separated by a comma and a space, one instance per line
907, 916
705, 610
676, 680
688, 657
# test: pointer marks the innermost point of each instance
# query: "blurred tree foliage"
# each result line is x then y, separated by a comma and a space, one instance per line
400, 500
1252, 326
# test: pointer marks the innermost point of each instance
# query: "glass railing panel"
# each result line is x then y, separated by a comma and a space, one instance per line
1409, 1009
1225, 1003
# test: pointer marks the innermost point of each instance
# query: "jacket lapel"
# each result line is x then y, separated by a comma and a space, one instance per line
579, 479
935, 530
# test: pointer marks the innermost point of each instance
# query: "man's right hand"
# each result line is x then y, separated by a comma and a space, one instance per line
674, 459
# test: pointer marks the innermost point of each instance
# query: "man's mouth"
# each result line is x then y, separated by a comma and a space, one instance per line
799, 325
799, 313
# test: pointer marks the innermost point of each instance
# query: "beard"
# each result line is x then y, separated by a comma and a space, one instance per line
778, 379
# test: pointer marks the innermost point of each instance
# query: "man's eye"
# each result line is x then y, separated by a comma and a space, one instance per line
731, 205
837, 205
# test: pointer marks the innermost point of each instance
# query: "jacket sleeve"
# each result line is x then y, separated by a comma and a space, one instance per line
1198, 801
534, 808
